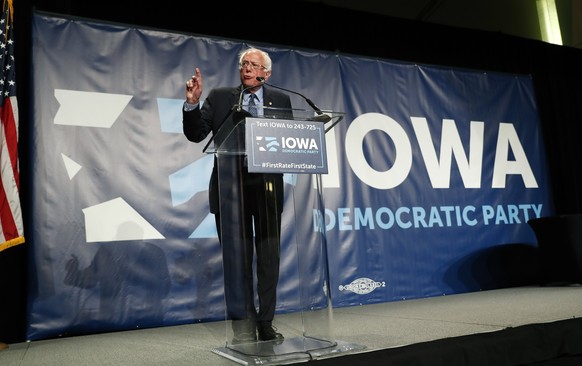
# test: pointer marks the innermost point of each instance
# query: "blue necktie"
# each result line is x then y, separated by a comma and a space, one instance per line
252, 106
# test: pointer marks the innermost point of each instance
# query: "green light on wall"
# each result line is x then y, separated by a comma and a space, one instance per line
549, 23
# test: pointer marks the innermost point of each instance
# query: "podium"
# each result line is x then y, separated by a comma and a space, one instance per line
284, 154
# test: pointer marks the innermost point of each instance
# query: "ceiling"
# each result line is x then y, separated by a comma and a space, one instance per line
513, 17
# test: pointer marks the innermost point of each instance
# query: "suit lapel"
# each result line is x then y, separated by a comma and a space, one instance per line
268, 102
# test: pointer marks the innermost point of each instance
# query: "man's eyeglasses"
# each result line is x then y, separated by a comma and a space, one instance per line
255, 66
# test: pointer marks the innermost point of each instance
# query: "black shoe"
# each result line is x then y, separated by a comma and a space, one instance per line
244, 337
245, 331
267, 332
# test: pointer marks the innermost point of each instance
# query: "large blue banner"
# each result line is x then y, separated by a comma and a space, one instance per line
430, 169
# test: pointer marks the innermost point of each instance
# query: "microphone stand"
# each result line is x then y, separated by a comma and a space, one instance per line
321, 117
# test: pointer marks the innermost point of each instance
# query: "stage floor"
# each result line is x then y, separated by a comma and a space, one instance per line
385, 326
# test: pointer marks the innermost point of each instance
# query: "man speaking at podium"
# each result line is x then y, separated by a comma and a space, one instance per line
248, 206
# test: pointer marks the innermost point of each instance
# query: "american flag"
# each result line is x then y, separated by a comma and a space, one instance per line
11, 227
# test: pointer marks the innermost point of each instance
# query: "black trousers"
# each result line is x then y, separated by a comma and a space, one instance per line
249, 229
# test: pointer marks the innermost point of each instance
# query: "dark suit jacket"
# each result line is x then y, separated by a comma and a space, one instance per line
217, 111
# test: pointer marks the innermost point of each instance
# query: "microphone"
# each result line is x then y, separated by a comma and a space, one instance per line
321, 117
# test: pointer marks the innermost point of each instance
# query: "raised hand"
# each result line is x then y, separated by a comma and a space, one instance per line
194, 88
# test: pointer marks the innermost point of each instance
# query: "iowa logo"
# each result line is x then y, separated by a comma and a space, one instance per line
267, 143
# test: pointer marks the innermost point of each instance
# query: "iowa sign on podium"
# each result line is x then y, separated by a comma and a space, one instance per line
289, 142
